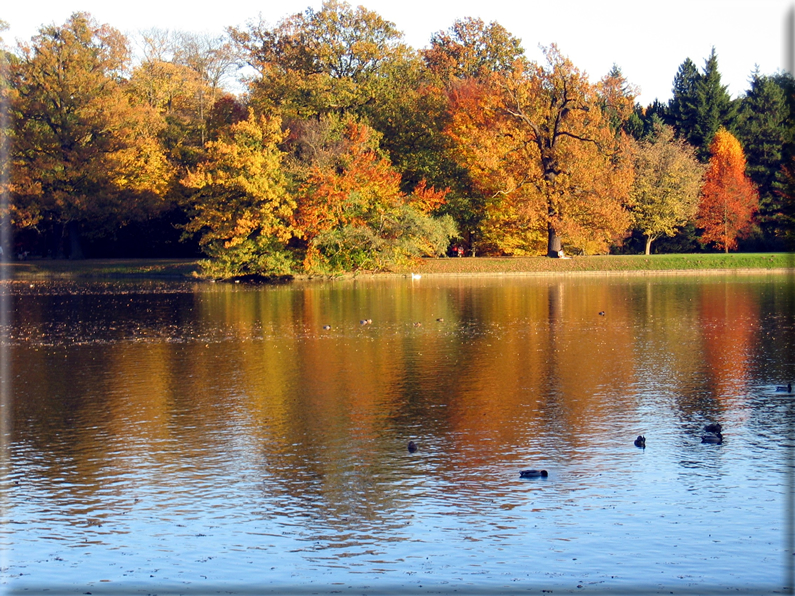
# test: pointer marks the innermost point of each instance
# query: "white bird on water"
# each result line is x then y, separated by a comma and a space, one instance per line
415, 276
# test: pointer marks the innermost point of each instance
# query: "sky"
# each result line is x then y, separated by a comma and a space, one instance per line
647, 40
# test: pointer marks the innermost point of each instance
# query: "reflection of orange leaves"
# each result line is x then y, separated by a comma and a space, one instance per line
730, 319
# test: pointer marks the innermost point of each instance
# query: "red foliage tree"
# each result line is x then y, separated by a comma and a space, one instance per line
729, 200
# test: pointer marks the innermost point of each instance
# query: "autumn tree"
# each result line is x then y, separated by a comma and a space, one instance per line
538, 144
729, 199
785, 192
86, 153
211, 59
616, 98
5, 147
320, 62
182, 77
472, 49
171, 89
667, 184
411, 120
351, 212
469, 49
242, 209
413, 114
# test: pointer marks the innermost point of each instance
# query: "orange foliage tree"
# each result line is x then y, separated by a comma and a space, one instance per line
351, 213
729, 200
356, 186
538, 142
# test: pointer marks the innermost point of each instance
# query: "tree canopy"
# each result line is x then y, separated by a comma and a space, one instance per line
349, 150
539, 145
85, 151
319, 62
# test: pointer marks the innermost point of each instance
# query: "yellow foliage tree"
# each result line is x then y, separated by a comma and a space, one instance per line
331, 60
668, 179
241, 207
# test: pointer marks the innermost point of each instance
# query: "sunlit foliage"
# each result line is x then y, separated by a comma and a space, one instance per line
729, 199
320, 61
351, 212
537, 142
242, 209
668, 180
86, 152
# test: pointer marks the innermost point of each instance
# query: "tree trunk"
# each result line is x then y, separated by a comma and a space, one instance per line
554, 247
648, 244
549, 161
75, 248
57, 241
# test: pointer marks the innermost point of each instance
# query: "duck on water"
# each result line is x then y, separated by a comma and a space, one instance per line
533, 474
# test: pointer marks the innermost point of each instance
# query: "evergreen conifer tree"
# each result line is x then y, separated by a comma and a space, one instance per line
713, 107
764, 127
681, 112
700, 104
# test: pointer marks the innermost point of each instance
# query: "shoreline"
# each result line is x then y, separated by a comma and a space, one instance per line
450, 267
594, 273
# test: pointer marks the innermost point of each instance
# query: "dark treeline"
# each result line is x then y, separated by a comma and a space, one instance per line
350, 150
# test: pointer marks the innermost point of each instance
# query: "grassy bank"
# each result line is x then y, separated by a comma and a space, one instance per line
185, 268
103, 268
617, 263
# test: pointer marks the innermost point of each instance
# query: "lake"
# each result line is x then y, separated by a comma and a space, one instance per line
191, 438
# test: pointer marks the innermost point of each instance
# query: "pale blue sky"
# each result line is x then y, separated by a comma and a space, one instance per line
648, 46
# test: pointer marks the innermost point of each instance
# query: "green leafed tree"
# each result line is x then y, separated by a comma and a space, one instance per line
682, 108
714, 108
668, 179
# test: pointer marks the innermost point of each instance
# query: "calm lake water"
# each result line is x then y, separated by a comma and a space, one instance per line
181, 438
